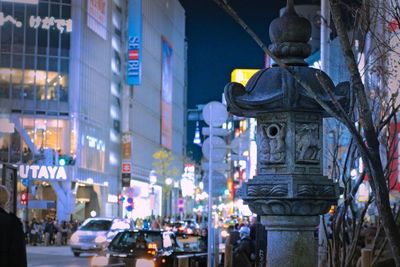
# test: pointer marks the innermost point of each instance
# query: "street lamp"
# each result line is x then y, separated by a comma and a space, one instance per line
153, 181
168, 181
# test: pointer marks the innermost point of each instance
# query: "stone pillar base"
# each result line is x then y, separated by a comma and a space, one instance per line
291, 241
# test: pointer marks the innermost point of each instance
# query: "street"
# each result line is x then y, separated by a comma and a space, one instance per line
41, 256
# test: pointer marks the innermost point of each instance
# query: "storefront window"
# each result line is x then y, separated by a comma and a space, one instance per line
47, 133
93, 153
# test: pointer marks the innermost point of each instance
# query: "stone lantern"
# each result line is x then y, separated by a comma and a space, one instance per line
289, 191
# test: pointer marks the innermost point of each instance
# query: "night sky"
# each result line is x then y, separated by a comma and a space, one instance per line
217, 45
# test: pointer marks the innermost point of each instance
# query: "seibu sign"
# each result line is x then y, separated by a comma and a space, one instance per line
42, 172
134, 55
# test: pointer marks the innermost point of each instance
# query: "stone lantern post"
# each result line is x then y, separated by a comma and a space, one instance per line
289, 191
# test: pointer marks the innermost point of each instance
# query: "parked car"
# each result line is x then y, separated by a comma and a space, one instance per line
142, 248
95, 234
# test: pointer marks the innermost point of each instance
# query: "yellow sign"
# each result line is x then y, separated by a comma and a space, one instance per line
242, 75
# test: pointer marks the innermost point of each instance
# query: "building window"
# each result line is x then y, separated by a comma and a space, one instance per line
34, 60
47, 133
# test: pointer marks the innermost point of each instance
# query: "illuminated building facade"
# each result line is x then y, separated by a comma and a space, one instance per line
62, 85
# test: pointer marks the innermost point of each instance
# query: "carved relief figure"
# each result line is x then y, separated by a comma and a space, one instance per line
272, 147
307, 142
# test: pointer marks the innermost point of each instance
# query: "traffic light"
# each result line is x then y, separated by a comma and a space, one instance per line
131, 204
24, 198
65, 160
121, 199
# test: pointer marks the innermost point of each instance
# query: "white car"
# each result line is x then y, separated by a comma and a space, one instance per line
95, 234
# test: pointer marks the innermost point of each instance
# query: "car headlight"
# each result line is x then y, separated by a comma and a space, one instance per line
144, 263
99, 261
189, 231
74, 238
100, 239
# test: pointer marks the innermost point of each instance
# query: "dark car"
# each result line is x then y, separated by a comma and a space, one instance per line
142, 248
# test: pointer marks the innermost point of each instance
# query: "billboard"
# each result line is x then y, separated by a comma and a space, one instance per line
97, 17
166, 93
242, 75
134, 56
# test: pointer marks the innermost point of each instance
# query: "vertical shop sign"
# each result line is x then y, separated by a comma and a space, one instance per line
126, 165
134, 56
166, 94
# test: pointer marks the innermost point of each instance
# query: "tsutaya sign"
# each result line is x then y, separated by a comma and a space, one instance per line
42, 172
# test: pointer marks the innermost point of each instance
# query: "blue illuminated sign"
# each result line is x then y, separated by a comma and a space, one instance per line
134, 56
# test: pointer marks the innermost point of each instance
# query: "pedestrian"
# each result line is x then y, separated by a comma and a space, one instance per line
203, 240
64, 229
49, 231
154, 223
243, 253
34, 232
12, 239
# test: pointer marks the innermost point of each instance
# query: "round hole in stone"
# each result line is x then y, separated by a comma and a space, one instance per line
273, 131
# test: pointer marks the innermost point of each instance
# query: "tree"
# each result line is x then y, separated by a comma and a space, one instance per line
372, 106
163, 165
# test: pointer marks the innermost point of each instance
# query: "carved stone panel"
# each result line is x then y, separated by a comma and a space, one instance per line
308, 143
307, 190
267, 190
272, 147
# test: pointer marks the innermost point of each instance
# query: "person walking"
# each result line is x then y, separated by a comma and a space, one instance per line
49, 231
34, 232
12, 238
243, 253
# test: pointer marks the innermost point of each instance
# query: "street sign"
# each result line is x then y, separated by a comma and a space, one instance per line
215, 131
181, 205
240, 144
126, 168
218, 148
218, 184
215, 114
24, 198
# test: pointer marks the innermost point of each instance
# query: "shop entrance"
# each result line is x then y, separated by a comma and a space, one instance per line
87, 202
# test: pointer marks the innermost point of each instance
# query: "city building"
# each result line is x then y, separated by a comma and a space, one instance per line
63, 85
154, 109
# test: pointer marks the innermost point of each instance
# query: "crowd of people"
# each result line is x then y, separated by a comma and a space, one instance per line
49, 232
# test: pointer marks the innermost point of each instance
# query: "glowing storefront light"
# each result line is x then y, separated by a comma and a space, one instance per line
187, 186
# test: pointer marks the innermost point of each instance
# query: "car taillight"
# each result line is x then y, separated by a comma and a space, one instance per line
152, 246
